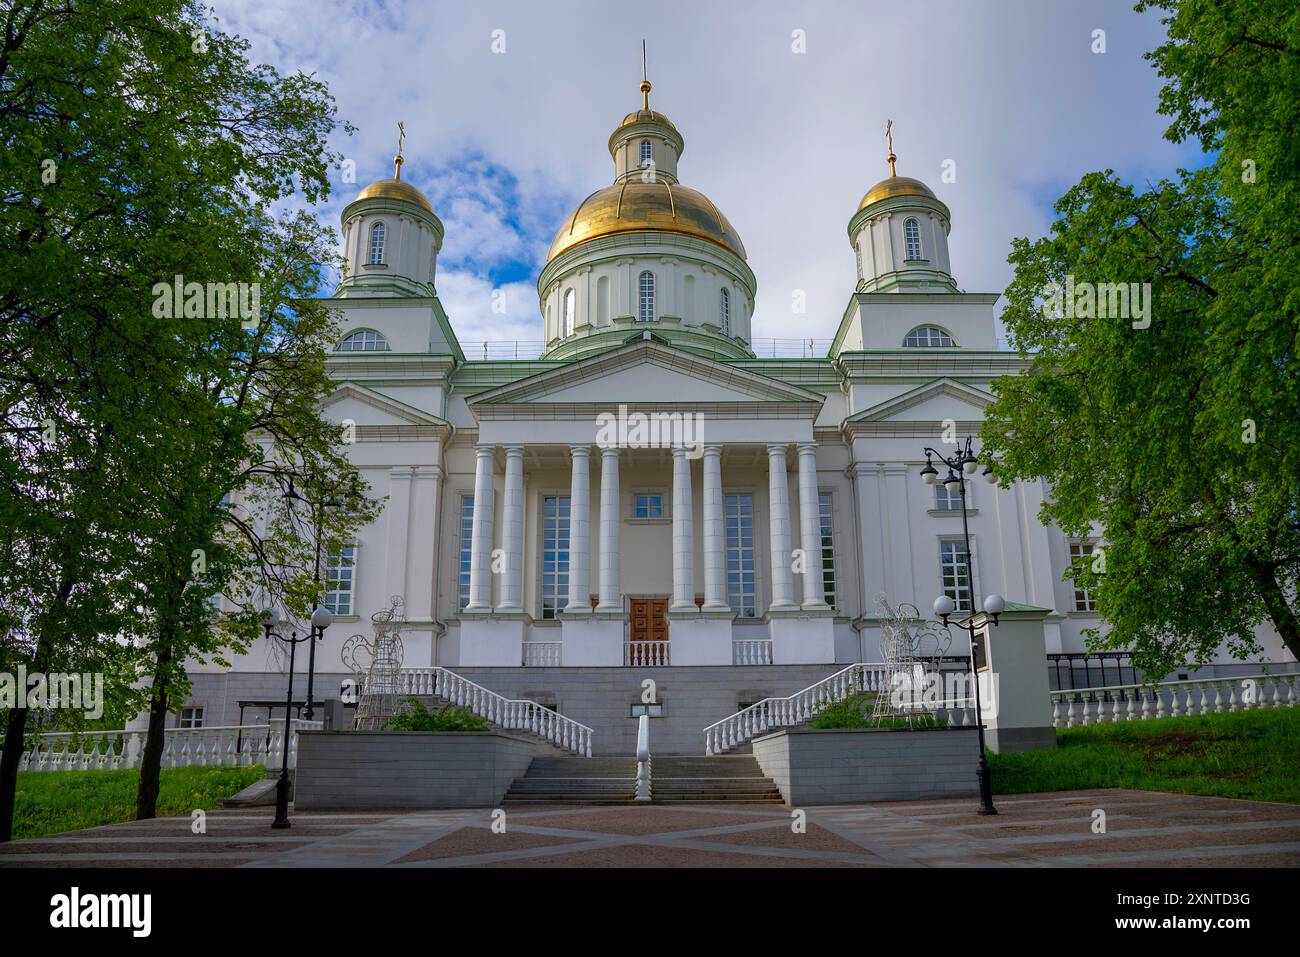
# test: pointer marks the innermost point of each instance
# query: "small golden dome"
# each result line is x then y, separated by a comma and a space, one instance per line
397, 189
895, 186
634, 206
646, 116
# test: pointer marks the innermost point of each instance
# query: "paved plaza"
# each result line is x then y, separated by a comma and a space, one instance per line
1142, 828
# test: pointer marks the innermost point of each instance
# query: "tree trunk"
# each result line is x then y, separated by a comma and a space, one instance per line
16, 727
13, 753
146, 798
1275, 602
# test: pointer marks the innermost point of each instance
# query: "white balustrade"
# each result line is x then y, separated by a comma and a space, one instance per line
645, 654
751, 651
772, 713
509, 713
542, 654
218, 746
1196, 696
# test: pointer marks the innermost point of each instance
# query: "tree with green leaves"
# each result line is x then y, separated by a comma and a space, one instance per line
141, 145
1177, 433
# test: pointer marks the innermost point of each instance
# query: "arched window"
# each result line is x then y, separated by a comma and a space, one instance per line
376, 244
570, 311
928, 337
646, 304
912, 238
364, 340
646, 152
724, 311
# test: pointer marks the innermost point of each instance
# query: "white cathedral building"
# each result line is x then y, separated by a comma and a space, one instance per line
542, 560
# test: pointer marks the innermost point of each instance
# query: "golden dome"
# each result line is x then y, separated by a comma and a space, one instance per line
395, 189
646, 116
895, 186
635, 206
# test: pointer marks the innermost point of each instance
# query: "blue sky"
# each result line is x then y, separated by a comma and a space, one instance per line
505, 144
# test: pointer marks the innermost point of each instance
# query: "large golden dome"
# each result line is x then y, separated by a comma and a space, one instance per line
395, 189
895, 186
634, 206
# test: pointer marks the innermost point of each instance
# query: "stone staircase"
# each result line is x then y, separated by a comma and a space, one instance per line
729, 779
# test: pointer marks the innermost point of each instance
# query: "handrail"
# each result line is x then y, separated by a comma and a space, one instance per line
513, 714
1140, 702
643, 758
796, 709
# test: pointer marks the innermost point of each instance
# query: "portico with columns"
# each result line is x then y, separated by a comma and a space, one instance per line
762, 426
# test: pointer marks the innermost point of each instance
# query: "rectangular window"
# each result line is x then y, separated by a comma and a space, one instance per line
555, 554
190, 718
340, 579
466, 550
954, 566
1081, 554
653, 710
648, 505
946, 501
741, 590
828, 546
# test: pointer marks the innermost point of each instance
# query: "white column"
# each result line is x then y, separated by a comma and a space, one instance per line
610, 589
425, 497
480, 568
683, 534
778, 507
715, 559
512, 532
814, 590
580, 531
399, 520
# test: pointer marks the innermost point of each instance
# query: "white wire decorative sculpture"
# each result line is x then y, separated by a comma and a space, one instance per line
912, 648
376, 661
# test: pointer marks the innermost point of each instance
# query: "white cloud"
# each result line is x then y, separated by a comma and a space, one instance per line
785, 144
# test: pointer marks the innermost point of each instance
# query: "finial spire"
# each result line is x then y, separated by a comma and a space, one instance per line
645, 82
397, 160
889, 137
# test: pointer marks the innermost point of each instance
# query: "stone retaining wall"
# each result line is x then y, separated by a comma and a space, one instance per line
855, 766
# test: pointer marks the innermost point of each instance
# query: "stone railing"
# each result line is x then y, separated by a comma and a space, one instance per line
511, 714
231, 746
751, 651
1172, 699
772, 713
542, 654
645, 654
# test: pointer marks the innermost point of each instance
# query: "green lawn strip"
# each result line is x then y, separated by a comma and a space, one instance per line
50, 802
1249, 754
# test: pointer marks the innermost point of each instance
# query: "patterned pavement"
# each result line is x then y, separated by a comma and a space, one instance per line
1032, 830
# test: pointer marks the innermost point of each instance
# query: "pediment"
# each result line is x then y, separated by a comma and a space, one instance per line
367, 407
645, 371
931, 402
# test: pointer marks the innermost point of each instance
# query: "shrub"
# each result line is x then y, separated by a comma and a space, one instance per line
447, 718
855, 712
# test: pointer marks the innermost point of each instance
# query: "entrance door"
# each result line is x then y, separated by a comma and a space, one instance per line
648, 643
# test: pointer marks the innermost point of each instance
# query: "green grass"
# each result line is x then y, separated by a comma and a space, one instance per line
1249, 754
48, 802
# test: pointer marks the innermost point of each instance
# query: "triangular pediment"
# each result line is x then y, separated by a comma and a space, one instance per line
931, 402
368, 407
646, 371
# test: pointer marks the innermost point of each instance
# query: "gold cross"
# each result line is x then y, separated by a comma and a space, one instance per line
397, 160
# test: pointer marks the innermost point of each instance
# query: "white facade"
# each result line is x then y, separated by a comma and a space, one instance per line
488, 467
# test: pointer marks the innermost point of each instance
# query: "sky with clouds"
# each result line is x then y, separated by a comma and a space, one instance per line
505, 144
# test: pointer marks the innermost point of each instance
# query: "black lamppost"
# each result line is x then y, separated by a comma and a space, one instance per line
293, 495
960, 465
320, 620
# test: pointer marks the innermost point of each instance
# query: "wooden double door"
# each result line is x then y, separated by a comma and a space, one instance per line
648, 641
